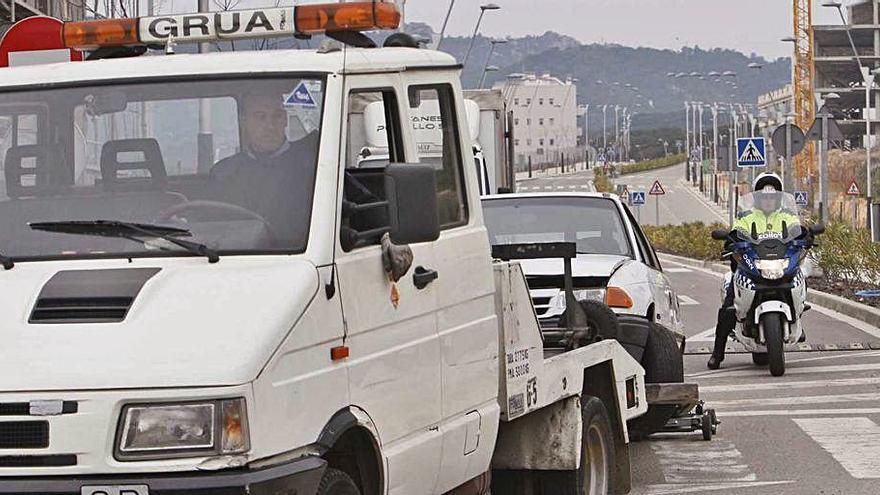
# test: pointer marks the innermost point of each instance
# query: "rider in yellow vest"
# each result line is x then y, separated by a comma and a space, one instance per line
767, 216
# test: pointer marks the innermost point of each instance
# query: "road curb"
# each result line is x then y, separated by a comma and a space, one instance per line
861, 312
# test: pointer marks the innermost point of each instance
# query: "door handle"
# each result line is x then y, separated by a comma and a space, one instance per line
422, 277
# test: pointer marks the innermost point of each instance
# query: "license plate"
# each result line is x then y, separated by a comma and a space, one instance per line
116, 490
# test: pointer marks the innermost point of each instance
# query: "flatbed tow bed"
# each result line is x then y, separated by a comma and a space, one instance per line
692, 414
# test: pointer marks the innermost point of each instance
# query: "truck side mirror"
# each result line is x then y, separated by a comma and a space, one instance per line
720, 234
817, 229
411, 192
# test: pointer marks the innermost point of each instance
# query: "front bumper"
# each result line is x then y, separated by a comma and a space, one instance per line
299, 477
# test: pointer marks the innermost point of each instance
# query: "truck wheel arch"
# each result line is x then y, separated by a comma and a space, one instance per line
594, 377
349, 442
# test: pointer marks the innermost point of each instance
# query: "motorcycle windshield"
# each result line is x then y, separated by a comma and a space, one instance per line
769, 214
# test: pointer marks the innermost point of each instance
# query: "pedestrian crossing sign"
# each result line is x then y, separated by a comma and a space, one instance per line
801, 198
637, 198
751, 152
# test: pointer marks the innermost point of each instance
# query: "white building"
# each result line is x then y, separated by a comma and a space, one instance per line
545, 118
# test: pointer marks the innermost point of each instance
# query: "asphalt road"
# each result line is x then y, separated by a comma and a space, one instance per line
815, 430
680, 204
552, 181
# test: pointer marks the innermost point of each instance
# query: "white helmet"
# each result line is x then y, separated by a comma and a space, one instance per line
768, 179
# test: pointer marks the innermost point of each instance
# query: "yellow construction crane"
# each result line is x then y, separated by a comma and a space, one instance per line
804, 102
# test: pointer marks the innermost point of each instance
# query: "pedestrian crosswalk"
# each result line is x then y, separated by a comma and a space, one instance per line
824, 412
588, 187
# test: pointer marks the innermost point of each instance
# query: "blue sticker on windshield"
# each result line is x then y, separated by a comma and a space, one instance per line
301, 97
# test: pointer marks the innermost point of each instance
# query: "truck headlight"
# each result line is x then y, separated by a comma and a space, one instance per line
164, 431
772, 269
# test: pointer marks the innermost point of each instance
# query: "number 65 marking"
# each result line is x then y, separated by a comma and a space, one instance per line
532, 392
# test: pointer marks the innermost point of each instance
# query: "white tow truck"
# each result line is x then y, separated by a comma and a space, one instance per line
203, 293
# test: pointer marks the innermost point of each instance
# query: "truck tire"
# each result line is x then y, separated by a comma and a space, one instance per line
772, 324
663, 363
597, 449
336, 482
597, 457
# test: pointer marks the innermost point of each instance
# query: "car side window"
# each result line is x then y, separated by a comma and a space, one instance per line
374, 139
435, 130
644, 246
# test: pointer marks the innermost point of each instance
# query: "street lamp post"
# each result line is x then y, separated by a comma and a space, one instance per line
826, 116
604, 129
687, 139
702, 185
715, 152
483, 9
587, 134
487, 68
868, 77
445, 23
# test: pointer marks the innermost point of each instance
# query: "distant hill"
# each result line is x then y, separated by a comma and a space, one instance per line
597, 67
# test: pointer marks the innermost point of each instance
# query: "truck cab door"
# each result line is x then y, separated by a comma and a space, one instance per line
466, 321
391, 328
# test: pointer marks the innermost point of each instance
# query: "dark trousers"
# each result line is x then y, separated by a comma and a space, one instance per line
726, 321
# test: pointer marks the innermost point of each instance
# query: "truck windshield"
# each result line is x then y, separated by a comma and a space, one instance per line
593, 223
230, 161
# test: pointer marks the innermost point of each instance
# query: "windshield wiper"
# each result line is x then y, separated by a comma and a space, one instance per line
130, 231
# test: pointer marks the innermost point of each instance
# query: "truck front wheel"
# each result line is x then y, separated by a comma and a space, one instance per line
336, 482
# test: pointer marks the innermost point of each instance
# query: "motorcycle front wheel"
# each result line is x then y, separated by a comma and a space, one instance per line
772, 324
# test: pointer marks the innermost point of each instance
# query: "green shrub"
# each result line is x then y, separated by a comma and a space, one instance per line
646, 165
693, 240
602, 182
847, 253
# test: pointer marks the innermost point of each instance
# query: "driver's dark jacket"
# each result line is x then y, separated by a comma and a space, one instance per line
278, 186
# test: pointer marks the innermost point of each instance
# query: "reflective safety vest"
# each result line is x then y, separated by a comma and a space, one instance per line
766, 223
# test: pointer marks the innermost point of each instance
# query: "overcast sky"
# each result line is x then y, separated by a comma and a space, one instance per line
745, 25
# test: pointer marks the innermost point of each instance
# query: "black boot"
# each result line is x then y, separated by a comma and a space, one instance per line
723, 329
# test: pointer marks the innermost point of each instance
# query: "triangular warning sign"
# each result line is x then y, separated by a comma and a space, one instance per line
751, 154
854, 190
301, 97
657, 189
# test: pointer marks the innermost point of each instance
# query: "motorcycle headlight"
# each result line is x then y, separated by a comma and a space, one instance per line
772, 269
166, 431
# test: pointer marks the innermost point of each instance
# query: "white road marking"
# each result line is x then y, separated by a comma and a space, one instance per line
691, 461
844, 368
842, 355
560, 188
688, 301
795, 401
853, 442
704, 336
749, 387
672, 488
548, 188
802, 412
678, 270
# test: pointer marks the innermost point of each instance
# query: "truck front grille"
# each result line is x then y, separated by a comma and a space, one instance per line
24, 435
32, 461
